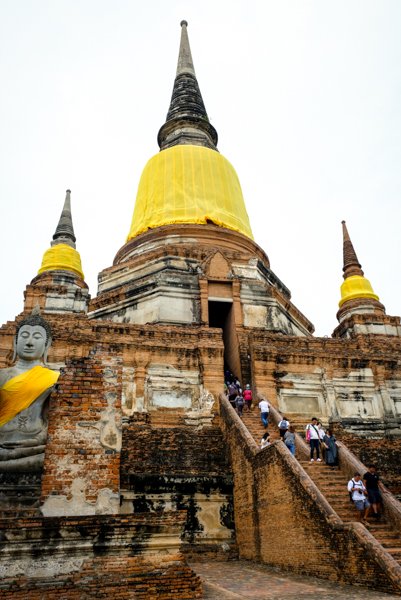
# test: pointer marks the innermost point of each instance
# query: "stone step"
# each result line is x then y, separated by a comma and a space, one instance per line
388, 538
396, 551
389, 545
380, 528
339, 499
327, 479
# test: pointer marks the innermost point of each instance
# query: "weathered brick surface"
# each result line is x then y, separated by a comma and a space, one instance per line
84, 423
124, 577
181, 467
176, 451
113, 557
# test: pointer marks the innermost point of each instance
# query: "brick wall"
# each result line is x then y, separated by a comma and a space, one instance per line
181, 468
82, 460
178, 451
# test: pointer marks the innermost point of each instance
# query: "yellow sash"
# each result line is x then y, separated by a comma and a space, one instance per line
19, 392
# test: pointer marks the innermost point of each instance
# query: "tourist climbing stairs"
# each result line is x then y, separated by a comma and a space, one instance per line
332, 483
255, 426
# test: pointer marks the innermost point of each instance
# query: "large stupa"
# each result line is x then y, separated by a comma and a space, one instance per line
131, 467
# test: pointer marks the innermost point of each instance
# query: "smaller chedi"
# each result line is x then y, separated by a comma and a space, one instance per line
24, 389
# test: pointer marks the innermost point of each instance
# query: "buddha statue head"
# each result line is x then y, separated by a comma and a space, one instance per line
32, 339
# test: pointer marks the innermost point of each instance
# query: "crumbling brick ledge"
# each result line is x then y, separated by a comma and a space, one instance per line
105, 556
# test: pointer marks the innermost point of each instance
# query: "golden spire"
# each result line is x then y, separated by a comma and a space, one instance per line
355, 284
62, 256
189, 181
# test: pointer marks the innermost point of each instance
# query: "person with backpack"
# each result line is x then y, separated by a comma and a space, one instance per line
248, 397
312, 436
283, 427
239, 403
237, 384
358, 493
232, 393
289, 439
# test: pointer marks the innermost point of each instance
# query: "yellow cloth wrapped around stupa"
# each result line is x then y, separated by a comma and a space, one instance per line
18, 393
62, 257
189, 184
356, 286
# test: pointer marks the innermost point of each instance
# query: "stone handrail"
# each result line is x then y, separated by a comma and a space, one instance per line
365, 539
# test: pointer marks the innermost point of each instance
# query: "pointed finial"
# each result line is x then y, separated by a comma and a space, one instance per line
185, 63
355, 286
62, 255
351, 262
187, 121
65, 231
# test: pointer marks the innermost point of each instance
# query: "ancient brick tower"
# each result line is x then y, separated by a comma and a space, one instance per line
145, 464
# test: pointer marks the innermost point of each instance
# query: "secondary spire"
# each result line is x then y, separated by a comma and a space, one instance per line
64, 233
187, 121
351, 263
355, 285
62, 255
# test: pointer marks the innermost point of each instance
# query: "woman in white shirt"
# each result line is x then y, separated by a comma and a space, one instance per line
312, 435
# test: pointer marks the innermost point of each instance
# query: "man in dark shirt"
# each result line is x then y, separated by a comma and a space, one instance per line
371, 480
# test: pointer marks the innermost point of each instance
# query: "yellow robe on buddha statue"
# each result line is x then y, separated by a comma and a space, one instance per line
18, 393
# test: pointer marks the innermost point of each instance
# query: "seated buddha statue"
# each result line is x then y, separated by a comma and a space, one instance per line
24, 390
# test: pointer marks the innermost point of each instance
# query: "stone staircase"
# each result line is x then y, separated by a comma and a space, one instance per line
332, 483
255, 426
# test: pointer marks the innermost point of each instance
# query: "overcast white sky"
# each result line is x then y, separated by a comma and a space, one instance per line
305, 96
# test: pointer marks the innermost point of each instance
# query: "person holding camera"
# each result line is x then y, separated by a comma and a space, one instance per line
358, 493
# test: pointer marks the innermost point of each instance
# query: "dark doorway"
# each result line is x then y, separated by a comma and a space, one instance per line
218, 313
221, 315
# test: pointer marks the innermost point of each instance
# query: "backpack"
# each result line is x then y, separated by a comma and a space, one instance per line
350, 493
232, 389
